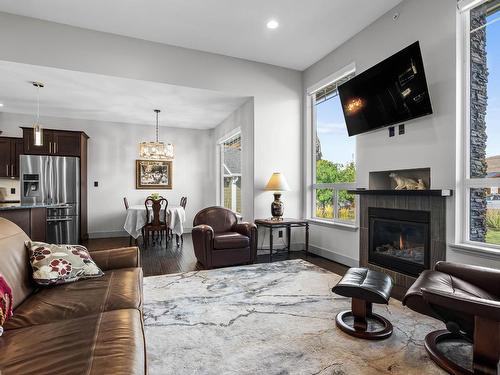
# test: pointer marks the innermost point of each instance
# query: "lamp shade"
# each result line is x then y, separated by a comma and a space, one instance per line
277, 182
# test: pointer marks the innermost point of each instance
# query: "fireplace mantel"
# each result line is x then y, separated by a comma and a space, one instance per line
421, 193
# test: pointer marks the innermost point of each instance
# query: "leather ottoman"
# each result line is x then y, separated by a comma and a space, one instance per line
365, 287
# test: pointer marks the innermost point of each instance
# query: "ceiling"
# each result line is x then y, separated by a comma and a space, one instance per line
308, 30
78, 95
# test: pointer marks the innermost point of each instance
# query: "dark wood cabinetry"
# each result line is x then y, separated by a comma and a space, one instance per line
10, 149
64, 143
55, 142
31, 220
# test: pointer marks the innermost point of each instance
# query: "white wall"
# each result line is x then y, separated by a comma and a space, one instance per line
429, 141
243, 119
112, 151
277, 92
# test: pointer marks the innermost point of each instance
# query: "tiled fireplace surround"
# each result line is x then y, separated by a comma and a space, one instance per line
431, 201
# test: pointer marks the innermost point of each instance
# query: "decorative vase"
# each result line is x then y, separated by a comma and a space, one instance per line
277, 207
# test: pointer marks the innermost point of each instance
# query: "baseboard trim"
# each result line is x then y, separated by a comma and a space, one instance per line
297, 246
117, 233
336, 257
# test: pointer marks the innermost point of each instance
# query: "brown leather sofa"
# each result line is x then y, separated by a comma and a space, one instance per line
219, 240
467, 299
92, 326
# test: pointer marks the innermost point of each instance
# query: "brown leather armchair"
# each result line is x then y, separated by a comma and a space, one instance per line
220, 241
467, 299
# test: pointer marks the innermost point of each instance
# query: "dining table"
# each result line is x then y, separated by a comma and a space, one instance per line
136, 219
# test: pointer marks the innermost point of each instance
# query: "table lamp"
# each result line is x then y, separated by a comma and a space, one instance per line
277, 183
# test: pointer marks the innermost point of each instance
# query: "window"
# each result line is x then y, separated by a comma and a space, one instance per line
230, 156
481, 190
334, 170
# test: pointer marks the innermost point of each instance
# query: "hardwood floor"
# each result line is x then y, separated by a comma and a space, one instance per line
160, 260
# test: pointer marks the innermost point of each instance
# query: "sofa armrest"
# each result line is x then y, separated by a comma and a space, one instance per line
203, 237
487, 279
246, 229
484, 308
125, 257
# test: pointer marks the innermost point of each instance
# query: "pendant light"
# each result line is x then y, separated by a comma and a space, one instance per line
156, 150
37, 129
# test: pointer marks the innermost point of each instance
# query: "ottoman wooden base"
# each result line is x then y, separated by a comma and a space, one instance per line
361, 310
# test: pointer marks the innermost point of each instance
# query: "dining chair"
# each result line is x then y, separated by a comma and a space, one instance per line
125, 202
156, 219
166, 219
183, 205
184, 202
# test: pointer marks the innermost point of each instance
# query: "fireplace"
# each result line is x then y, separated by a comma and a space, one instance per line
399, 239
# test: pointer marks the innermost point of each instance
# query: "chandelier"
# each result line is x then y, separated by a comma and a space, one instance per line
156, 150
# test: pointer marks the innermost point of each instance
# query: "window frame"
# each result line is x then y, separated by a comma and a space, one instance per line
464, 180
349, 70
220, 165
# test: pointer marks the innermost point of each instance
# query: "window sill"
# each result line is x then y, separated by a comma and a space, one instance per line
471, 249
334, 224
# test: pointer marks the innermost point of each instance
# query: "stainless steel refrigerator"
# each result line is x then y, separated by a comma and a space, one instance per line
54, 181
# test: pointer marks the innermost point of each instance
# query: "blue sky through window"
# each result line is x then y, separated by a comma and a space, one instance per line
336, 146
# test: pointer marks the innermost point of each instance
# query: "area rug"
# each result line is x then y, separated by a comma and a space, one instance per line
275, 318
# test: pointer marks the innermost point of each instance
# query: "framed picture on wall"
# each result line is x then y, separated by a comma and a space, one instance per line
153, 174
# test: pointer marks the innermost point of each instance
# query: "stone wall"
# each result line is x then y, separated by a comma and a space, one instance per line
478, 136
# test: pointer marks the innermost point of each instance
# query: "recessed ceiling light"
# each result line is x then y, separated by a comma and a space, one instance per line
1, 104
272, 24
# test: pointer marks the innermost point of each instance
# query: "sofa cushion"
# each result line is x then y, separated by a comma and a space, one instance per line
14, 262
230, 240
59, 264
118, 289
106, 343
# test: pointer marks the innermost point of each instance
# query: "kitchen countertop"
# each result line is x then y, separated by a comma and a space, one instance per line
25, 206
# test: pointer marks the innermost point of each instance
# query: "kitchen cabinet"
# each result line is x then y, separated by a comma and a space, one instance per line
10, 149
32, 220
55, 142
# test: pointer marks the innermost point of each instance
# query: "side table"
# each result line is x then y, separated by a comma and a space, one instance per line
286, 223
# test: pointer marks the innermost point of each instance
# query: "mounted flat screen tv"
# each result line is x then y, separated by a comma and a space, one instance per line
391, 92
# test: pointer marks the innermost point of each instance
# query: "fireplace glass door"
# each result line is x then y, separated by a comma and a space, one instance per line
399, 240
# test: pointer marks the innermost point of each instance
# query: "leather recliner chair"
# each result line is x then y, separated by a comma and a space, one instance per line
467, 299
219, 240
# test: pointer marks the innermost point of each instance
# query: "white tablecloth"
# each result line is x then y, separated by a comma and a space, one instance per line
136, 219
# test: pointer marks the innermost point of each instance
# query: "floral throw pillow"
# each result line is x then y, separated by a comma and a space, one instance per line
59, 264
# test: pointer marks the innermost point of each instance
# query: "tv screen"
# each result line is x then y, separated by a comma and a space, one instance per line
391, 92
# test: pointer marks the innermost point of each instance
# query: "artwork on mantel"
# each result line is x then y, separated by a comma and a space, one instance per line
153, 174
400, 179
405, 183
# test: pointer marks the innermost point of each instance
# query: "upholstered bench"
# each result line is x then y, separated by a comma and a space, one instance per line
365, 287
